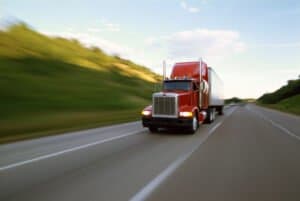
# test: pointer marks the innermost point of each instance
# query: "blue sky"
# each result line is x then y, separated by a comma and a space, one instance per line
253, 45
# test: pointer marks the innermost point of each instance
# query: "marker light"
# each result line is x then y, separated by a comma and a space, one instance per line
186, 114
146, 112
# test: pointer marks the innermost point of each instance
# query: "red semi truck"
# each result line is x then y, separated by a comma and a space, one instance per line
193, 94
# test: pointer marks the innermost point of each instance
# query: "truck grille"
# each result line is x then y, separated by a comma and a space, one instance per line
164, 106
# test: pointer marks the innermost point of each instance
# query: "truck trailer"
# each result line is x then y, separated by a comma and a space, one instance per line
192, 95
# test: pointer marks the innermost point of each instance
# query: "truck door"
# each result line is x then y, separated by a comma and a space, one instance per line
195, 93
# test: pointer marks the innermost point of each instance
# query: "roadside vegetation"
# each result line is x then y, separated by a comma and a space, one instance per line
286, 99
52, 85
233, 100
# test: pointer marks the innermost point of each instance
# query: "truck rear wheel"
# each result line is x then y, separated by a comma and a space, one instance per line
153, 129
210, 115
220, 110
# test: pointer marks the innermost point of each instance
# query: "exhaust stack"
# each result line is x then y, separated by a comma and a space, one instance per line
164, 69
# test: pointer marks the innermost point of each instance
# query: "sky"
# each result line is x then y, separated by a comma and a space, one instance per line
254, 46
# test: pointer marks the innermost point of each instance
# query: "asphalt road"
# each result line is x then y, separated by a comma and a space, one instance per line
249, 153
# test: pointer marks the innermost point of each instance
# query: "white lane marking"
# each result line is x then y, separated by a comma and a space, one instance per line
13, 165
290, 133
226, 106
152, 185
232, 111
280, 127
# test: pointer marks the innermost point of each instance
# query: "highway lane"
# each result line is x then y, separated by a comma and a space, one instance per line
13, 153
253, 155
250, 153
111, 163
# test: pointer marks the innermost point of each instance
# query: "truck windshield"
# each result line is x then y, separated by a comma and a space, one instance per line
177, 85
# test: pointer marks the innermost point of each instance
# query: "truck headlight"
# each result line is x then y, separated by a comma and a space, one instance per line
186, 114
146, 112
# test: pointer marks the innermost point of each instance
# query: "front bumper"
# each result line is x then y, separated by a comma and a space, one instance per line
167, 122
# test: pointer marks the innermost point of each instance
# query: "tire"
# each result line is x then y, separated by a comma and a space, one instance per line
194, 125
213, 114
220, 110
153, 129
210, 115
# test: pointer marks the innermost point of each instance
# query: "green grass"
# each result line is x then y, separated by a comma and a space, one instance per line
40, 96
53, 85
45, 124
290, 105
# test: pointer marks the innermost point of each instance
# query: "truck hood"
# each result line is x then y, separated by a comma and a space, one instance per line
184, 98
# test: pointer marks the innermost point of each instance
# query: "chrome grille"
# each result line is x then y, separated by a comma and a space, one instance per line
164, 106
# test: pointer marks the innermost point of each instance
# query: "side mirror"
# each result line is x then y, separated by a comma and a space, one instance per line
202, 86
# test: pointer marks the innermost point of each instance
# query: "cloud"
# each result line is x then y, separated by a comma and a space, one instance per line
189, 8
200, 42
277, 45
91, 40
204, 1
94, 30
154, 42
112, 27
109, 26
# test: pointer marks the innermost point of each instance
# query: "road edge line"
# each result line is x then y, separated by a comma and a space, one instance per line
17, 164
277, 125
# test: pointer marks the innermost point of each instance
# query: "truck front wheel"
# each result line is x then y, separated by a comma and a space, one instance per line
195, 125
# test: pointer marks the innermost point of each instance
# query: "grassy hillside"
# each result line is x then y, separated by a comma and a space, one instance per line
291, 105
50, 85
287, 98
289, 90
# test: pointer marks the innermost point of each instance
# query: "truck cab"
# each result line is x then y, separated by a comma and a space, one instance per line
174, 107
184, 100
